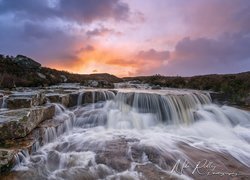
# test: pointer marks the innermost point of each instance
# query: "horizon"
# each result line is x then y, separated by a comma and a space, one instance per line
149, 75
130, 38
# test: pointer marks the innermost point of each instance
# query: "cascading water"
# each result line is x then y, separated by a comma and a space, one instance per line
79, 99
141, 135
4, 105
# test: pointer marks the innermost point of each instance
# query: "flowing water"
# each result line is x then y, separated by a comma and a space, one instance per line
3, 105
135, 133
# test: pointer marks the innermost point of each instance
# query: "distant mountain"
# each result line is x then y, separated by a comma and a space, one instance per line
22, 71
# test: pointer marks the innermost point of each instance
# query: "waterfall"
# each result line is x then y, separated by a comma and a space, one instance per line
50, 134
169, 108
21, 158
93, 96
79, 99
136, 133
141, 110
4, 104
64, 120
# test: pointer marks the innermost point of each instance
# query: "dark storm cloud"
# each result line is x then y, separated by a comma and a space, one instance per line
38, 31
27, 9
229, 53
152, 54
25, 29
227, 48
71, 10
38, 41
89, 10
101, 32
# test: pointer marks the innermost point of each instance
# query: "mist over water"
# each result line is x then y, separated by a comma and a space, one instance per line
113, 138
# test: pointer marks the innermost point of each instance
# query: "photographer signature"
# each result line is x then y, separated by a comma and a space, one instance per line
203, 168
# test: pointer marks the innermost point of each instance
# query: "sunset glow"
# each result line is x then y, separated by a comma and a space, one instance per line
129, 38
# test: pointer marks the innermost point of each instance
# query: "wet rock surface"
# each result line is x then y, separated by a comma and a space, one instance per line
18, 123
148, 162
98, 84
19, 100
27, 122
63, 99
72, 138
6, 159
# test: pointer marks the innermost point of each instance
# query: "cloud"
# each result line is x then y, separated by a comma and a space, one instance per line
152, 54
191, 37
213, 17
234, 47
83, 11
38, 31
39, 41
226, 54
88, 11
123, 62
101, 32
87, 48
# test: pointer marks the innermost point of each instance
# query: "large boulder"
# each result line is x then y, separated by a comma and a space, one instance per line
42, 134
218, 98
73, 97
59, 98
18, 123
10, 149
96, 96
25, 100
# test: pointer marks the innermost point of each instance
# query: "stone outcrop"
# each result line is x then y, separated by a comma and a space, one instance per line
98, 84
96, 96
73, 99
22, 100
18, 123
218, 98
22, 71
59, 98
18, 132
26, 62
28, 119
7, 160
10, 149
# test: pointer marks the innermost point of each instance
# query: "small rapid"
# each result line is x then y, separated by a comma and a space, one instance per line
4, 105
132, 133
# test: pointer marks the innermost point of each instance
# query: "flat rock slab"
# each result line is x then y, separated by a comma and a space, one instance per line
59, 98
96, 96
18, 123
19, 100
10, 148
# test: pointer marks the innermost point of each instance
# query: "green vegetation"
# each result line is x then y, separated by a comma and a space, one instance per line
21, 71
236, 87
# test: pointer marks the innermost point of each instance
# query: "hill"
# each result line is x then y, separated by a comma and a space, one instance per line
25, 72
22, 71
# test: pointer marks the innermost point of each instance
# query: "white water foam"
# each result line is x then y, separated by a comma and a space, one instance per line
144, 125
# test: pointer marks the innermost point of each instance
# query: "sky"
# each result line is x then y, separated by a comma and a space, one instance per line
130, 37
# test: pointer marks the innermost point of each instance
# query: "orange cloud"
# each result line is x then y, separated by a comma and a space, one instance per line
97, 60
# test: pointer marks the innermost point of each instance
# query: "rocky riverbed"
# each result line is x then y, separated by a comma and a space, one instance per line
74, 132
